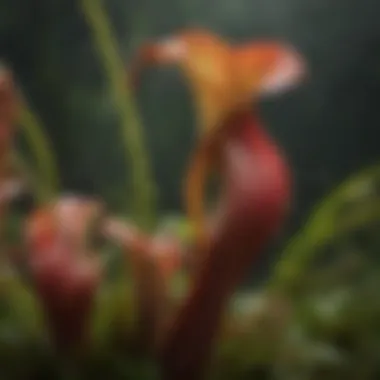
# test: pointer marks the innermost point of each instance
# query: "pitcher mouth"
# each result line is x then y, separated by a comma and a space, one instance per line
171, 49
162, 52
288, 73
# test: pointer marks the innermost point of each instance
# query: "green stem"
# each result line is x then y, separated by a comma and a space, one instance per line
42, 151
321, 228
107, 48
27, 173
302, 251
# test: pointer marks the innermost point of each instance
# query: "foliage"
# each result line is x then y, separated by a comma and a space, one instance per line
46, 175
143, 197
353, 204
326, 326
315, 319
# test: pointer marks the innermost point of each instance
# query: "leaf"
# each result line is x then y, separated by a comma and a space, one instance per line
327, 223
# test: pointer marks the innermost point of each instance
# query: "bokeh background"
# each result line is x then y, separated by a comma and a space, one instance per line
328, 127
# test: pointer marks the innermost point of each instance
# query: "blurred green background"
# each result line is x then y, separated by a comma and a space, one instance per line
328, 128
